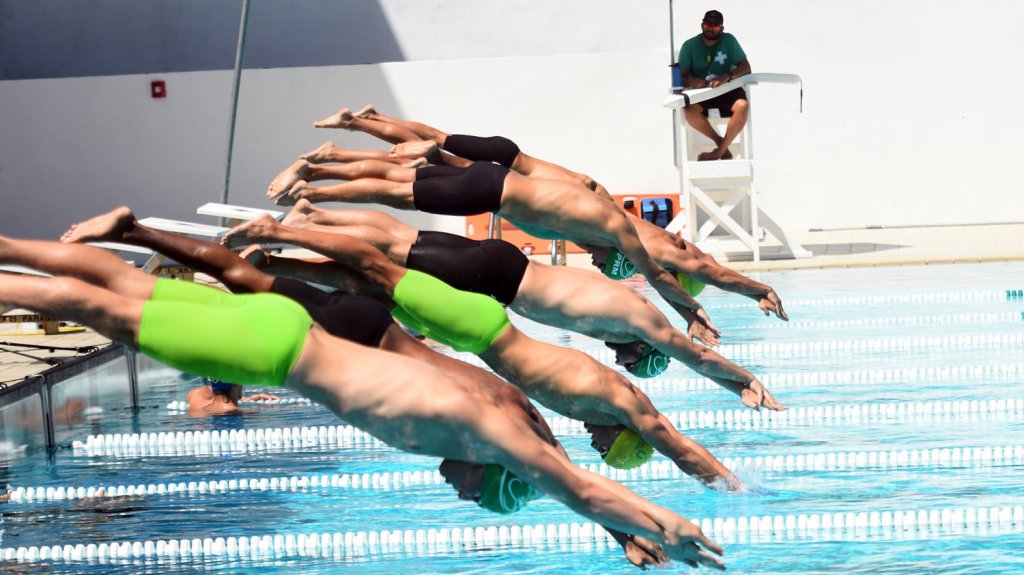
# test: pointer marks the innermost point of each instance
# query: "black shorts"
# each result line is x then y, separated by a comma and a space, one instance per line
459, 191
493, 149
490, 267
355, 318
724, 102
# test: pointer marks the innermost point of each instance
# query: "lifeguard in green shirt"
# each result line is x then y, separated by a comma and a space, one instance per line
709, 60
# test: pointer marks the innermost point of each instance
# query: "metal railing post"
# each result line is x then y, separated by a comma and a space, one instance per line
243, 25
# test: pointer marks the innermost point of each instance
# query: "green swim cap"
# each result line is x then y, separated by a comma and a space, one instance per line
503, 492
651, 364
628, 451
692, 286
617, 267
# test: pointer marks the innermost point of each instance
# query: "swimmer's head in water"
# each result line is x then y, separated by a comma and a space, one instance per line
640, 358
617, 267
491, 486
619, 446
691, 285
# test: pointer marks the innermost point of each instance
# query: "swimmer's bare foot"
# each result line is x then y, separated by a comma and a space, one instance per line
339, 120
299, 216
420, 149
320, 155
110, 226
367, 111
417, 163
284, 181
293, 194
255, 255
252, 232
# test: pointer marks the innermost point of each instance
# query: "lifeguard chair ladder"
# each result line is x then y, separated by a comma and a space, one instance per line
724, 191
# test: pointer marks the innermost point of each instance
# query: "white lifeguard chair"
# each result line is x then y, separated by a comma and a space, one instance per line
719, 204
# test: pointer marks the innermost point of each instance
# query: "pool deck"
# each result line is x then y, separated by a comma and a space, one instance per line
830, 248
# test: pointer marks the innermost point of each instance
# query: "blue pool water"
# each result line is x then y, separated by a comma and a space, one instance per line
904, 342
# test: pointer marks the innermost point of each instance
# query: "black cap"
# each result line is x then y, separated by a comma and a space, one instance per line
714, 17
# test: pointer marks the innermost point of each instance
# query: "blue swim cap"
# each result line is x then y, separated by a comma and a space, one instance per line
218, 386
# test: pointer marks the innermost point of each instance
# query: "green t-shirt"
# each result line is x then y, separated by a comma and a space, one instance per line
699, 61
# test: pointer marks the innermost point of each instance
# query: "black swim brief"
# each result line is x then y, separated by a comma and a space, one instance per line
491, 267
459, 191
493, 149
356, 318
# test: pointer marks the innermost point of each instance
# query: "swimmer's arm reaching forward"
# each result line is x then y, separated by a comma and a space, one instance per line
603, 500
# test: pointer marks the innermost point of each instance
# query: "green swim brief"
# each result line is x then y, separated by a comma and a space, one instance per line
252, 339
464, 321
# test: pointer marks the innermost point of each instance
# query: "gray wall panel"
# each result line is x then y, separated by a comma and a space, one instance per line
75, 38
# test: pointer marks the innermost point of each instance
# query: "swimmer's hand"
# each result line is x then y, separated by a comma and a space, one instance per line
770, 303
755, 396
697, 329
702, 316
701, 333
641, 552
696, 549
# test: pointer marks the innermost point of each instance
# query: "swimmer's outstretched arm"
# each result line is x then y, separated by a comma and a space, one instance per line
627, 241
753, 395
691, 457
654, 329
691, 261
605, 501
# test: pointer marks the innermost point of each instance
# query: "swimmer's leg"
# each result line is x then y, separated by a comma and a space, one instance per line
304, 171
89, 264
344, 119
212, 259
328, 152
419, 130
113, 315
367, 190
349, 251
379, 169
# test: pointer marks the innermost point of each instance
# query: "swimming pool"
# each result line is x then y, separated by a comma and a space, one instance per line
900, 454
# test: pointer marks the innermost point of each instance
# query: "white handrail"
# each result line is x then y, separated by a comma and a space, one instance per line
697, 95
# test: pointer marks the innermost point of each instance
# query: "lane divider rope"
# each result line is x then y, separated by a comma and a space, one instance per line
989, 373
960, 457
838, 526
984, 296
757, 350
236, 440
240, 440
945, 320
183, 405
818, 350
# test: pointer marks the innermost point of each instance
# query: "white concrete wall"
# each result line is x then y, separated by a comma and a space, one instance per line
909, 115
